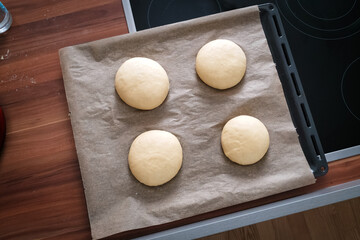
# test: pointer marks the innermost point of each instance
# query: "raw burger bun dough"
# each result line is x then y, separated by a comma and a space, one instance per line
142, 83
245, 140
155, 157
221, 64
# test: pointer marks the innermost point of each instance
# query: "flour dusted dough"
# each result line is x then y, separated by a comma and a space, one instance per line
245, 140
155, 157
142, 83
221, 64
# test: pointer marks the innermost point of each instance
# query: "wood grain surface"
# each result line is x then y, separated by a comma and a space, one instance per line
333, 222
41, 192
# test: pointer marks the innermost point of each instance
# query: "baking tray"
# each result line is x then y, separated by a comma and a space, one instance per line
97, 121
293, 90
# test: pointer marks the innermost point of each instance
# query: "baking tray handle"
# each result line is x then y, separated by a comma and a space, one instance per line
293, 90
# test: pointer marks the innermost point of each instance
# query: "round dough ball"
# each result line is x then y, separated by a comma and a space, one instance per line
221, 64
142, 83
155, 157
245, 140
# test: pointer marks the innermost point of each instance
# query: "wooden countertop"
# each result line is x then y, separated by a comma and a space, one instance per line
41, 193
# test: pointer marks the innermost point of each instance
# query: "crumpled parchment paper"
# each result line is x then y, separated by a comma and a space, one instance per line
104, 126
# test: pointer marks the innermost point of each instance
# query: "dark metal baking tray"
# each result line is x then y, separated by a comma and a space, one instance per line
293, 90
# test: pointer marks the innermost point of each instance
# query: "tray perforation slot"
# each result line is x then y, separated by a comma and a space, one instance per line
276, 23
306, 117
316, 148
295, 84
285, 52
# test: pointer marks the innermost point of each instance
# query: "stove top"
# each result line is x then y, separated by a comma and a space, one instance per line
324, 37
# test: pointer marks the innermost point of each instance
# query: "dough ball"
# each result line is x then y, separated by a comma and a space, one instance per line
245, 140
221, 64
155, 157
142, 83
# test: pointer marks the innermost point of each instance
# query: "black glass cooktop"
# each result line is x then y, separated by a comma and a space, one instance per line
324, 38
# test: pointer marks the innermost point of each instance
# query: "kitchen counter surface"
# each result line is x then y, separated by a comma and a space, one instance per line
41, 193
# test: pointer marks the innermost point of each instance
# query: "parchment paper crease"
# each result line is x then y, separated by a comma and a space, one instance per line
104, 126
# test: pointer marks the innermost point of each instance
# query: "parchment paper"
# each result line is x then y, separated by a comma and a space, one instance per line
104, 126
